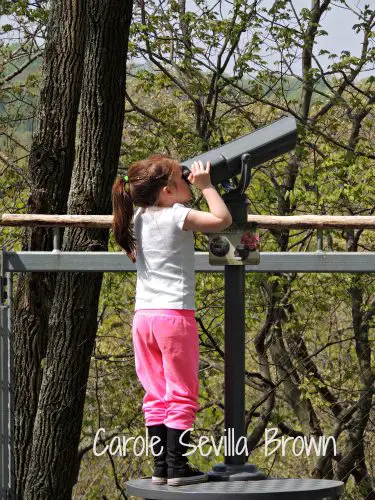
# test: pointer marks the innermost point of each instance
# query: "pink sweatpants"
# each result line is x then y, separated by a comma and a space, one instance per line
166, 348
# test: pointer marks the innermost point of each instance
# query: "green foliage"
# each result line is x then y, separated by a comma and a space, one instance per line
184, 98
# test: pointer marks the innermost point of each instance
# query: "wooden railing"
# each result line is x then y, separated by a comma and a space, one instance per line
262, 221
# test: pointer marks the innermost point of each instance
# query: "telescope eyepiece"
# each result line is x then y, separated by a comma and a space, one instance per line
185, 174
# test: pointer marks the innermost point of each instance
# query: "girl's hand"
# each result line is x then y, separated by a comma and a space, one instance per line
200, 176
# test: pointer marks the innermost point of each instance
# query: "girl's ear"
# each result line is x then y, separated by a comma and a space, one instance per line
167, 190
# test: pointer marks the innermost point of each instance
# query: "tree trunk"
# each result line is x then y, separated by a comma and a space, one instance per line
50, 168
73, 320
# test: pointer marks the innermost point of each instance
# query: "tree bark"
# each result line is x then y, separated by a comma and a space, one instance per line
354, 462
73, 321
50, 167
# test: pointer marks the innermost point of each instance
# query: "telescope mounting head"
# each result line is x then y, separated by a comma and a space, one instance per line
243, 183
235, 197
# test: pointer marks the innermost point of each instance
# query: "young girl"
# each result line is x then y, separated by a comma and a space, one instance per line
165, 334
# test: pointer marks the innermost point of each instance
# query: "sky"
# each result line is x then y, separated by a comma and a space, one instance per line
338, 22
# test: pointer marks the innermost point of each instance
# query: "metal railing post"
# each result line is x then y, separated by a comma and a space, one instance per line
56, 239
6, 400
320, 240
12, 475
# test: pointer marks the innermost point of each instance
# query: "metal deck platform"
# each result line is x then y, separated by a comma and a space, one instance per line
269, 489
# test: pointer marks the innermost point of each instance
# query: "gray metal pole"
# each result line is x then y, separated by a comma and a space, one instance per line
12, 475
234, 312
4, 407
320, 240
234, 360
56, 239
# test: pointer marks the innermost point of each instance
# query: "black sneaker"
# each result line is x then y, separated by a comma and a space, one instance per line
190, 475
160, 472
180, 472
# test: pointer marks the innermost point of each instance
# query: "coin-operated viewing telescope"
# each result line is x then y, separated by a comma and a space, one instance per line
233, 248
239, 244
262, 145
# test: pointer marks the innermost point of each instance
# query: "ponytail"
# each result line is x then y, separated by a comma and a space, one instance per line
146, 179
123, 212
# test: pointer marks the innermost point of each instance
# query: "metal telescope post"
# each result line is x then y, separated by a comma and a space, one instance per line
235, 466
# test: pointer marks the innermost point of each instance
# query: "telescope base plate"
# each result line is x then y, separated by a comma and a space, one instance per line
271, 489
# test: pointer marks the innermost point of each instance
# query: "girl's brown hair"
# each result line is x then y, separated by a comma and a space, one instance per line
145, 180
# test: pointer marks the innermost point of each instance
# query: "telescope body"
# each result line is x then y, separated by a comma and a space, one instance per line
264, 144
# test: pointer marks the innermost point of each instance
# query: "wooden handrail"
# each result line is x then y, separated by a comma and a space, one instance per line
313, 221
98, 221
263, 221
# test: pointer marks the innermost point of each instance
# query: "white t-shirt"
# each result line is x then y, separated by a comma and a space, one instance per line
165, 259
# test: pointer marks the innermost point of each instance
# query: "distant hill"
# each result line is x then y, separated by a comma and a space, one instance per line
291, 86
